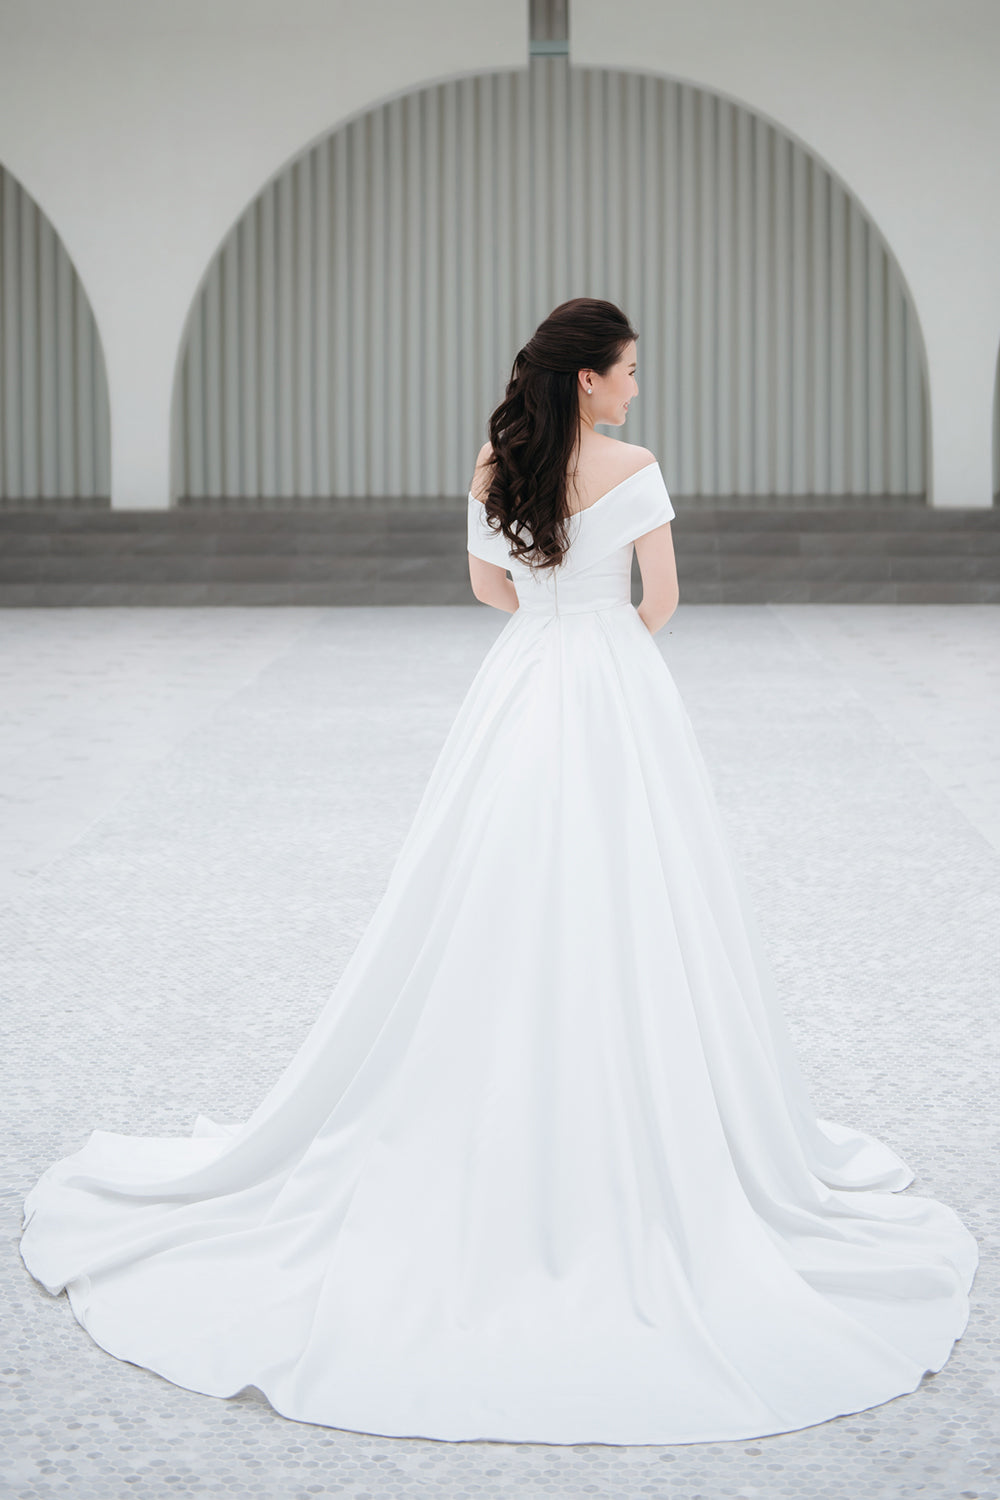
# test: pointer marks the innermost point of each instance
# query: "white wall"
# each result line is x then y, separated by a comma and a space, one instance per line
143, 130
143, 134
900, 98
358, 324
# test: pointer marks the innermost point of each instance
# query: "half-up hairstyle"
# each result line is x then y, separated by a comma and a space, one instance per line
534, 430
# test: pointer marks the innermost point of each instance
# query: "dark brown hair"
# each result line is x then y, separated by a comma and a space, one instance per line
534, 430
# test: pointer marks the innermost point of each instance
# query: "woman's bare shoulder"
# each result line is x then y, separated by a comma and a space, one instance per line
608, 464
616, 462
631, 458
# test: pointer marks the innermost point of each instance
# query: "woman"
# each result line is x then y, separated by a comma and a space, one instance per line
545, 1168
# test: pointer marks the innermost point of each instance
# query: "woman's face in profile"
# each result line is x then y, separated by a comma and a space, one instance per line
613, 391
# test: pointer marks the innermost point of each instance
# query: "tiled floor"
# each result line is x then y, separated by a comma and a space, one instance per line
198, 809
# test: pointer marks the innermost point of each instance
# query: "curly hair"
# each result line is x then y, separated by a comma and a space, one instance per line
535, 429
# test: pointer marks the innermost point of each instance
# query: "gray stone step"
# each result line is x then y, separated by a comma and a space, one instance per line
358, 554
434, 541
723, 568
415, 591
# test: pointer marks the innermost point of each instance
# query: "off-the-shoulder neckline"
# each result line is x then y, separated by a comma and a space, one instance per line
612, 491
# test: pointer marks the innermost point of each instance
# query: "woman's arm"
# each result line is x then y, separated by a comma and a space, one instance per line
658, 566
491, 584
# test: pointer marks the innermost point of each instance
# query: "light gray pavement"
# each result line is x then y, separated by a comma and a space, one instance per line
198, 812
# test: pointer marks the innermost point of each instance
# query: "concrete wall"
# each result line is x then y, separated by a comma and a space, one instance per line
900, 99
358, 324
143, 134
142, 131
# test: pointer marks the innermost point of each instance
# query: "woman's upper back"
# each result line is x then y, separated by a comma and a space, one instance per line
602, 466
600, 533
603, 469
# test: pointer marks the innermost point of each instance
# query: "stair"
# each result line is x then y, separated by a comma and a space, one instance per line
896, 554
364, 552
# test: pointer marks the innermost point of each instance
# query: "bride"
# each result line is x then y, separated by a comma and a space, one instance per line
545, 1167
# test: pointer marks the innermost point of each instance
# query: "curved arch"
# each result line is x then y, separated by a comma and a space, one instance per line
289, 162
56, 424
780, 125
918, 444
788, 359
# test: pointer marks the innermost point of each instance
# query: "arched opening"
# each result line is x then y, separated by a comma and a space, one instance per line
55, 424
358, 322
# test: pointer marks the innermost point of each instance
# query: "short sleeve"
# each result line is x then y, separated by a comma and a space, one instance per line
652, 503
490, 546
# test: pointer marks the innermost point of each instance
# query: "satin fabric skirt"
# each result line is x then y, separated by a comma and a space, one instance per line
545, 1167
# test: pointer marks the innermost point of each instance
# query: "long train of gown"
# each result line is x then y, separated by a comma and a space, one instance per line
545, 1167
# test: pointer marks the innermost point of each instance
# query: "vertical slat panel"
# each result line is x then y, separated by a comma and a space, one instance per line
393, 352
875, 329
801, 456
412, 468
705, 274
450, 212
744, 328
541, 240
376, 406
838, 341
13, 200
504, 299
496, 193
431, 477
270, 412
387, 278
596, 226
649, 355
99, 470
232, 479
560, 206
10, 410
763, 322
358, 330
613, 198
304, 415
685, 464
28, 376
894, 438
212, 380
250, 407
578, 184
473, 311
48, 363
818, 473
915, 409
781, 276
194, 402
723, 363
671, 262
346, 370
636, 211
524, 284
857, 368
66, 291
322, 315
285, 368
91, 395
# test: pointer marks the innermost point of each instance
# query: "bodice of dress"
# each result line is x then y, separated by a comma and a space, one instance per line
596, 570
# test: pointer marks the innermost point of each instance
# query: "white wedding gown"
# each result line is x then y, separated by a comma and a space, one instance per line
545, 1167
